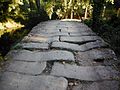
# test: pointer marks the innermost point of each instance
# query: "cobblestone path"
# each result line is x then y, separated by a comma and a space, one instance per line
61, 55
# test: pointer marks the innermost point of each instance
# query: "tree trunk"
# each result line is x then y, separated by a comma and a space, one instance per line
31, 5
66, 15
97, 13
38, 4
118, 12
103, 14
86, 10
71, 8
72, 14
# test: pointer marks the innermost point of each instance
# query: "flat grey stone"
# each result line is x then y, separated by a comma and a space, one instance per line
45, 30
40, 39
64, 45
82, 39
105, 56
74, 29
34, 45
76, 47
99, 56
90, 33
49, 30
86, 73
102, 85
15, 81
92, 45
25, 55
50, 34
33, 68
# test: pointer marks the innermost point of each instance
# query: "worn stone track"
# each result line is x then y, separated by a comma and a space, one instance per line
61, 55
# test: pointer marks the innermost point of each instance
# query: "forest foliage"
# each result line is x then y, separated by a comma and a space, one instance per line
17, 17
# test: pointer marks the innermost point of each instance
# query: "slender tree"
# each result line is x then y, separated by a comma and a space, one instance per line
38, 4
97, 13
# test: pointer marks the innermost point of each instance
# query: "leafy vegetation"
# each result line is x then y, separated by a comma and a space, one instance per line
17, 17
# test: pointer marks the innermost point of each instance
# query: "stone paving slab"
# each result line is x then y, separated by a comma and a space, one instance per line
76, 47
34, 45
15, 81
86, 73
40, 39
92, 45
97, 54
102, 85
82, 39
97, 57
45, 30
64, 45
25, 55
90, 33
33, 68
74, 29
50, 34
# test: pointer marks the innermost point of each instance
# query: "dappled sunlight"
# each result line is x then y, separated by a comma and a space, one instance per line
77, 20
9, 26
35, 39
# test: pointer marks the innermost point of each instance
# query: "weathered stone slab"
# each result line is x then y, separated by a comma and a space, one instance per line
92, 45
105, 56
87, 73
97, 54
75, 30
33, 68
102, 85
25, 55
40, 39
90, 33
81, 39
49, 30
64, 45
50, 34
76, 47
34, 45
15, 81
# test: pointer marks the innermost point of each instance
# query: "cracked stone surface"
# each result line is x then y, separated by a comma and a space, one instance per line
34, 45
15, 81
33, 68
61, 55
88, 33
25, 55
104, 56
82, 39
87, 73
40, 39
76, 47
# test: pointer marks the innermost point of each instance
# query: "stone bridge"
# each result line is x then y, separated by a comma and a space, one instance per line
61, 55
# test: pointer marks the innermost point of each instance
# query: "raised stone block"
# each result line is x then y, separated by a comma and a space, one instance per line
97, 54
86, 73
82, 39
33, 68
15, 81
34, 45
50, 34
76, 47
25, 55
90, 33
40, 39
